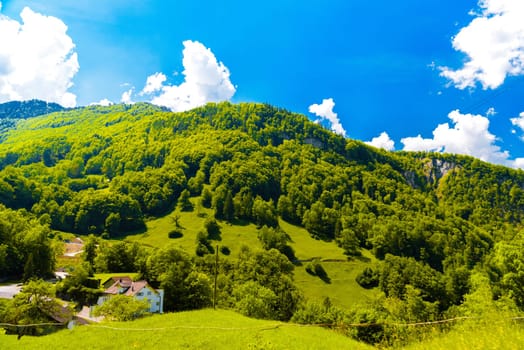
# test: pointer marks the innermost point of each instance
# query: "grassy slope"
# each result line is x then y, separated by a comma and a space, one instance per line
232, 236
487, 335
342, 288
204, 329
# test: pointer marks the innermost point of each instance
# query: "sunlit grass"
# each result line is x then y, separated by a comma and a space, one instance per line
307, 247
232, 236
484, 334
343, 290
204, 329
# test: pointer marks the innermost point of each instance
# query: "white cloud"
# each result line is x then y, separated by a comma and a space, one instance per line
382, 141
325, 111
491, 112
37, 59
154, 83
494, 44
206, 80
469, 135
104, 102
518, 163
126, 96
518, 121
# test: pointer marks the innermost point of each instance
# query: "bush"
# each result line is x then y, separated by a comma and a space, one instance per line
206, 198
315, 268
212, 228
368, 278
254, 300
225, 250
184, 203
203, 245
319, 313
122, 308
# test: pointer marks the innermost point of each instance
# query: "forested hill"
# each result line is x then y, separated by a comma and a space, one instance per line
27, 109
432, 219
12, 112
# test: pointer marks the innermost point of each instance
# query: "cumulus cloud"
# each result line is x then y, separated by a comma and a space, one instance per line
126, 96
518, 163
154, 83
104, 102
325, 112
382, 141
518, 121
469, 135
37, 59
205, 80
493, 43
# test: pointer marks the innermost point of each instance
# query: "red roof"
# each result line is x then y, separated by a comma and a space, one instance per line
124, 281
124, 285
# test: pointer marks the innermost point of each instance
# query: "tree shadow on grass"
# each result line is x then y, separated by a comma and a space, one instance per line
315, 268
324, 276
175, 234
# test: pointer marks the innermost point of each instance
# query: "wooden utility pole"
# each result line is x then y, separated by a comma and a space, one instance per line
216, 274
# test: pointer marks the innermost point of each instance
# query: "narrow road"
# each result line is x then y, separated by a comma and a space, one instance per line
9, 291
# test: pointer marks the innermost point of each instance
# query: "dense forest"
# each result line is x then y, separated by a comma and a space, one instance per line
445, 228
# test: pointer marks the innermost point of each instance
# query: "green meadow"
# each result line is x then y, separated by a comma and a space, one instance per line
203, 329
341, 287
492, 335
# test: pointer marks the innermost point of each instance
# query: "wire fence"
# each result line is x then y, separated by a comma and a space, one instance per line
266, 327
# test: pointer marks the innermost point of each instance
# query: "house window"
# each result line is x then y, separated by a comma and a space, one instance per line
148, 292
140, 294
157, 303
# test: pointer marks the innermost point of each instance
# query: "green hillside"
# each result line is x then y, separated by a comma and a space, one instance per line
310, 226
342, 288
205, 329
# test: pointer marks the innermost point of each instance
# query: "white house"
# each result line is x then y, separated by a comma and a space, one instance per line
140, 290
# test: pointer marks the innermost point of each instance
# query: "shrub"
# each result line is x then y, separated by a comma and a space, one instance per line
315, 268
225, 250
368, 278
122, 308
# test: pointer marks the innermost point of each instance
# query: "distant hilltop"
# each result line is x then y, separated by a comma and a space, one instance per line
27, 109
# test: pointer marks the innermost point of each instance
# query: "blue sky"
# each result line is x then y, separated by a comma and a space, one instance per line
432, 75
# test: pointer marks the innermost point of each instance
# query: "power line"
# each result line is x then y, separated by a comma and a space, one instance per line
32, 325
271, 326
324, 325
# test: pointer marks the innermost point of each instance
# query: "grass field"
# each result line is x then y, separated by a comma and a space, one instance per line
342, 288
306, 247
492, 335
204, 329
232, 236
